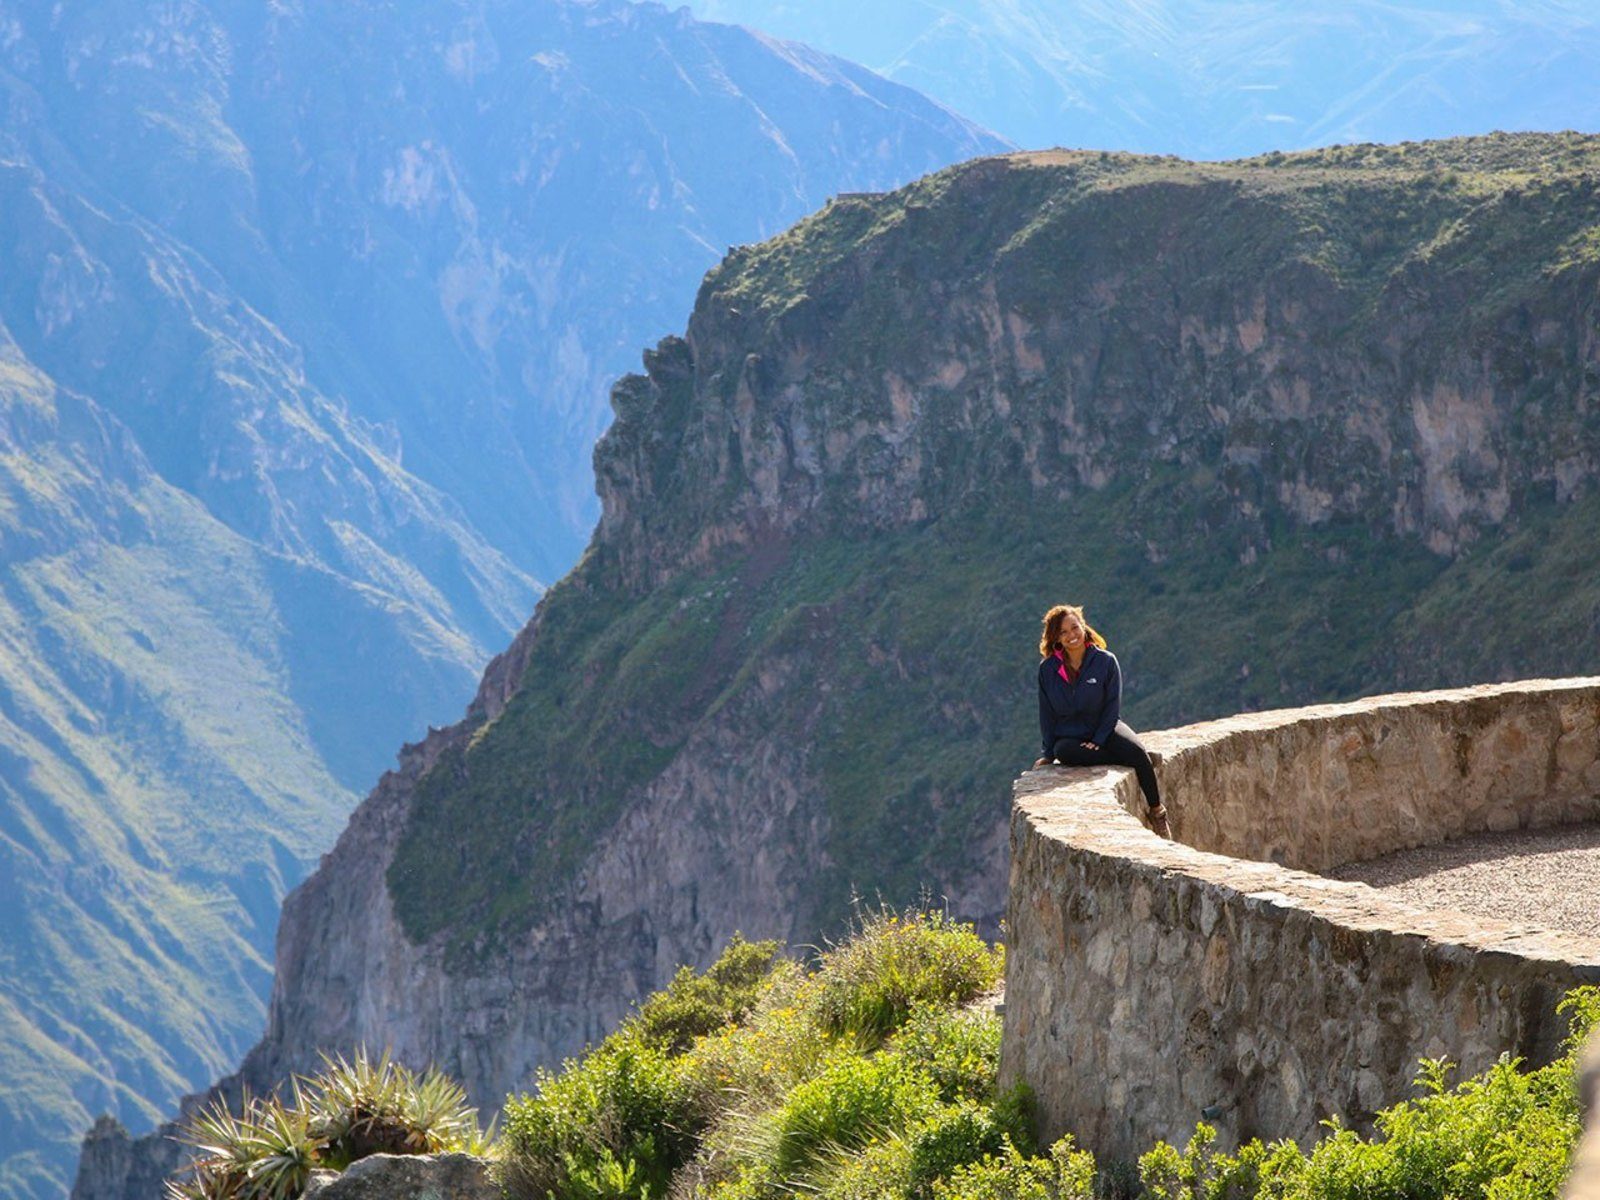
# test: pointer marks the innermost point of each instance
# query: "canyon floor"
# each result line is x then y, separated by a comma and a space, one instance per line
1548, 877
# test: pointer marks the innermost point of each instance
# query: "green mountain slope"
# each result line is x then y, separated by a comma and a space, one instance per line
212, 611
135, 929
1297, 428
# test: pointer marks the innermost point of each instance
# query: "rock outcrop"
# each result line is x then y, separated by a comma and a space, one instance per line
407, 1177
796, 660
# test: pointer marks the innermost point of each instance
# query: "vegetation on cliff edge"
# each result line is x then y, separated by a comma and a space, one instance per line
873, 1076
869, 1074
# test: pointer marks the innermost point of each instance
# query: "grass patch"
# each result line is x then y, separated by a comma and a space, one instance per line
692, 1006
869, 985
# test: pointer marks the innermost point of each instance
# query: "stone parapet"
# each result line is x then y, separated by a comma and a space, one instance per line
1153, 984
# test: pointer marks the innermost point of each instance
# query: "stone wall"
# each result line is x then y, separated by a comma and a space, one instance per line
1154, 984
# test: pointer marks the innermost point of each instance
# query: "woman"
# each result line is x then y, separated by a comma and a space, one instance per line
1080, 706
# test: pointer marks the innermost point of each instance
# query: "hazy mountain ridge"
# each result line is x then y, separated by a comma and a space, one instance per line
1218, 79
311, 312
461, 190
1291, 428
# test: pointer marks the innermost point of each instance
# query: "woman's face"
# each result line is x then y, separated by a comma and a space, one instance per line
1071, 635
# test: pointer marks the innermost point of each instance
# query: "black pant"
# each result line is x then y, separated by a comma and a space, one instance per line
1122, 749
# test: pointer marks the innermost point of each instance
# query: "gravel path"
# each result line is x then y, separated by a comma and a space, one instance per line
1548, 877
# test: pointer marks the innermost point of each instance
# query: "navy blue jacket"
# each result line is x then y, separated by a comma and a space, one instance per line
1085, 711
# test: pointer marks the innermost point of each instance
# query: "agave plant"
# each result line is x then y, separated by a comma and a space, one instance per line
267, 1152
355, 1107
220, 1169
440, 1118
284, 1152
360, 1106
352, 1108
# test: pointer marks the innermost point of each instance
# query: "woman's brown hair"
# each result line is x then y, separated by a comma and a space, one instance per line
1052, 628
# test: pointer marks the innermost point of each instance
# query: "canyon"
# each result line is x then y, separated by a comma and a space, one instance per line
1294, 428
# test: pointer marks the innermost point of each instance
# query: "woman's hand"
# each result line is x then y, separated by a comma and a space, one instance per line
1089, 745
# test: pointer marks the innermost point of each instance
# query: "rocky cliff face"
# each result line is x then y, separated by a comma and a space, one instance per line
1293, 428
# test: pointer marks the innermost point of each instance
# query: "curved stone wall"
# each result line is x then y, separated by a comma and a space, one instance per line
1153, 984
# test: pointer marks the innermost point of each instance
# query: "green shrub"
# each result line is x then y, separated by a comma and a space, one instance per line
960, 1049
853, 1101
1503, 1134
896, 1163
601, 1175
1582, 1006
1203, 1173
753, 1065
615, 1123
882, 1171
717, 1093
868, 986
951, 1138
1067, 1173
1014, 1110
692, 1006
1506, 1134
867, 1080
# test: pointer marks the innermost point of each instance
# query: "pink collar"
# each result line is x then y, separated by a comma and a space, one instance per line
1065, 669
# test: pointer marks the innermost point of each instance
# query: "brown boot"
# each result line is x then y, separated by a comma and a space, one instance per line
1158, 821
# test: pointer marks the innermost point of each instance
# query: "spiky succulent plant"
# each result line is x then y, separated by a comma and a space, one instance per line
360, 1106
267, 1152
436, 1107
352, 1108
